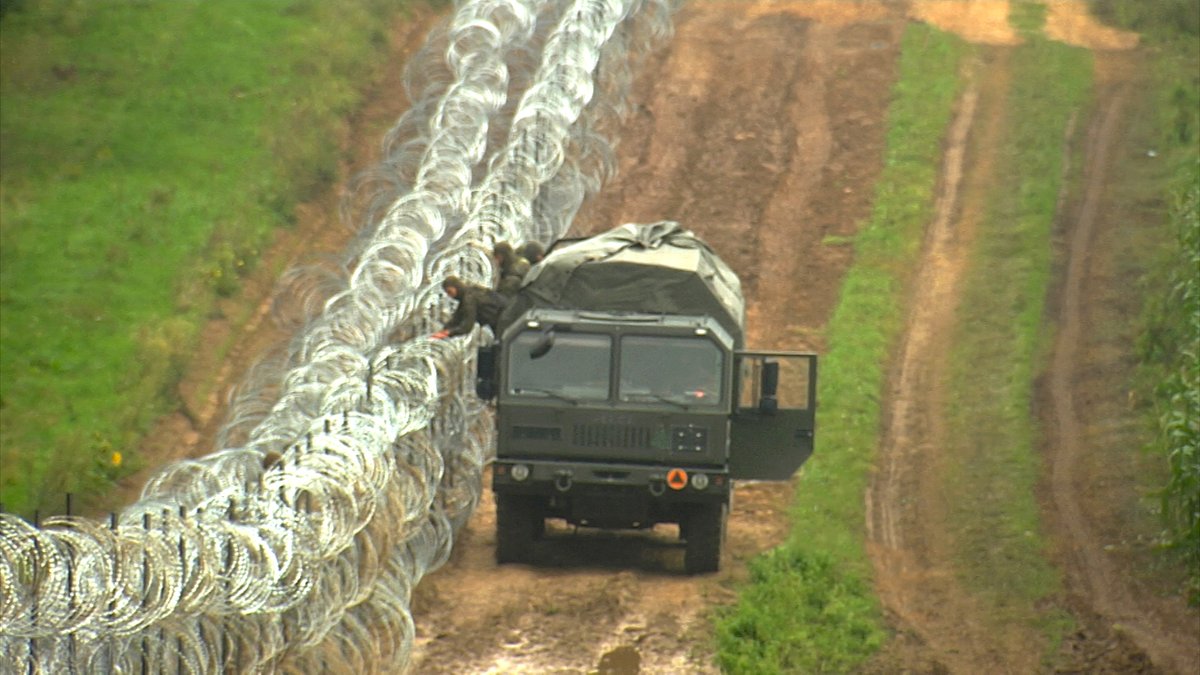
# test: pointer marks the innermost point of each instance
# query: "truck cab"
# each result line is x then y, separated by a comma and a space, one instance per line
625, 418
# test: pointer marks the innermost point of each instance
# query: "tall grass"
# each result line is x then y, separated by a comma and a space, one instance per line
1170, 348
149, 151
808, 606
1179, 399
1169, 345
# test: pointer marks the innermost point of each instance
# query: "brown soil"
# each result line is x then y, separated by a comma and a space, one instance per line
760, 126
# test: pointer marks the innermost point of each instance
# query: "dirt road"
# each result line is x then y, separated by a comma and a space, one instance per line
1126, 621
761, 131
760, 126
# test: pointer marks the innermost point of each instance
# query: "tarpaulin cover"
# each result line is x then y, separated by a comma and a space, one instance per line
659, 268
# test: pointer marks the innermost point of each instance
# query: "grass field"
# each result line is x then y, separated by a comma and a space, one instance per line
149, 150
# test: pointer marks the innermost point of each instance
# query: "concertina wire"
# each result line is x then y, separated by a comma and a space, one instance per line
350, 456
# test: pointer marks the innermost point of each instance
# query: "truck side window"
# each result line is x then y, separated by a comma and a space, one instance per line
684, 370
575, 366
793, 390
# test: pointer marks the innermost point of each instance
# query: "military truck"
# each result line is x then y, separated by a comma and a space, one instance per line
624, 396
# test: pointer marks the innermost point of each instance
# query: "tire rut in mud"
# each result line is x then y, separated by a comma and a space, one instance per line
1123, 626
938, 623
1127, 625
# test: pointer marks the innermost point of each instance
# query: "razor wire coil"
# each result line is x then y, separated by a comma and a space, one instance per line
349, 457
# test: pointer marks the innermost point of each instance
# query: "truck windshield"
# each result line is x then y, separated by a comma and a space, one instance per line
680, 370
575, 367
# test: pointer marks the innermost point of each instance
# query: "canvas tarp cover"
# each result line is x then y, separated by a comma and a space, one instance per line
659, 268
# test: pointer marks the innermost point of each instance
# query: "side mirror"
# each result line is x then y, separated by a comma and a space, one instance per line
543, 346
485, 372
768, 403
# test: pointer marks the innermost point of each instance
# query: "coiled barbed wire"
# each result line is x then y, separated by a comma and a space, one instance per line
359, 448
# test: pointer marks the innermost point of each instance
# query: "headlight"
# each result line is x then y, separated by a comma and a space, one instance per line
520, 472
699, 481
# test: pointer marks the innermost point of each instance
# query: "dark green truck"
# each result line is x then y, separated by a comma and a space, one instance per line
625, 398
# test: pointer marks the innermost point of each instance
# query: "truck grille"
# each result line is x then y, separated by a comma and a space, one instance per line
610, 436
530, 433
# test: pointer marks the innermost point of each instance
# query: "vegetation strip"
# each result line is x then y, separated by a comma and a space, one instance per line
1000, 342
1169, 340
808, 606
150, 150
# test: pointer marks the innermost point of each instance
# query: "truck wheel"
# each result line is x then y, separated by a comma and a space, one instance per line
706, 533
518, 523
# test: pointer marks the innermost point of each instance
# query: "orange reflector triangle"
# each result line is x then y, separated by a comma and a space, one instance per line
677, 479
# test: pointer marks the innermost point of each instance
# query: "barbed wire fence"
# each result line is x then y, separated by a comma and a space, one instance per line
351, 456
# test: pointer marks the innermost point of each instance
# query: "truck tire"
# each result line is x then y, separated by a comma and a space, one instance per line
519, 522
705, 534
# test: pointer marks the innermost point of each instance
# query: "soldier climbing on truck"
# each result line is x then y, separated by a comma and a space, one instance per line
625, 397
533, 252
476, 304
510, 268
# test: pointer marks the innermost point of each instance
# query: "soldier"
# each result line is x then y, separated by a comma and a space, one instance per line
511, 268
533, 252
475, 304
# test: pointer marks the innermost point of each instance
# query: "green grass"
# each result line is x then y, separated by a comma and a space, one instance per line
1169, 326
1172, 357
809, 605
149, 151
1000, 345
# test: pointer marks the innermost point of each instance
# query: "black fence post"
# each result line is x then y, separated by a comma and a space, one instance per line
145, 589
33, 583
70, 599
183, 577
112, 604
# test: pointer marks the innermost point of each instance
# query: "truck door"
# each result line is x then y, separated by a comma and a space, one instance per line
771, 431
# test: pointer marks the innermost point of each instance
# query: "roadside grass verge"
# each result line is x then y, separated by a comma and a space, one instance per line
150, 150
1169, 325
1175, 325
1000, 344
809, 605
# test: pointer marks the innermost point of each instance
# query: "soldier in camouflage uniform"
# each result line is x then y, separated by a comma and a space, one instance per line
533, 252
511, 267
476, 304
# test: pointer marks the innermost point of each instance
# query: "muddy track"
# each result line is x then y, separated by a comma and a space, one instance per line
758, 130
1123, 625
910, 543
